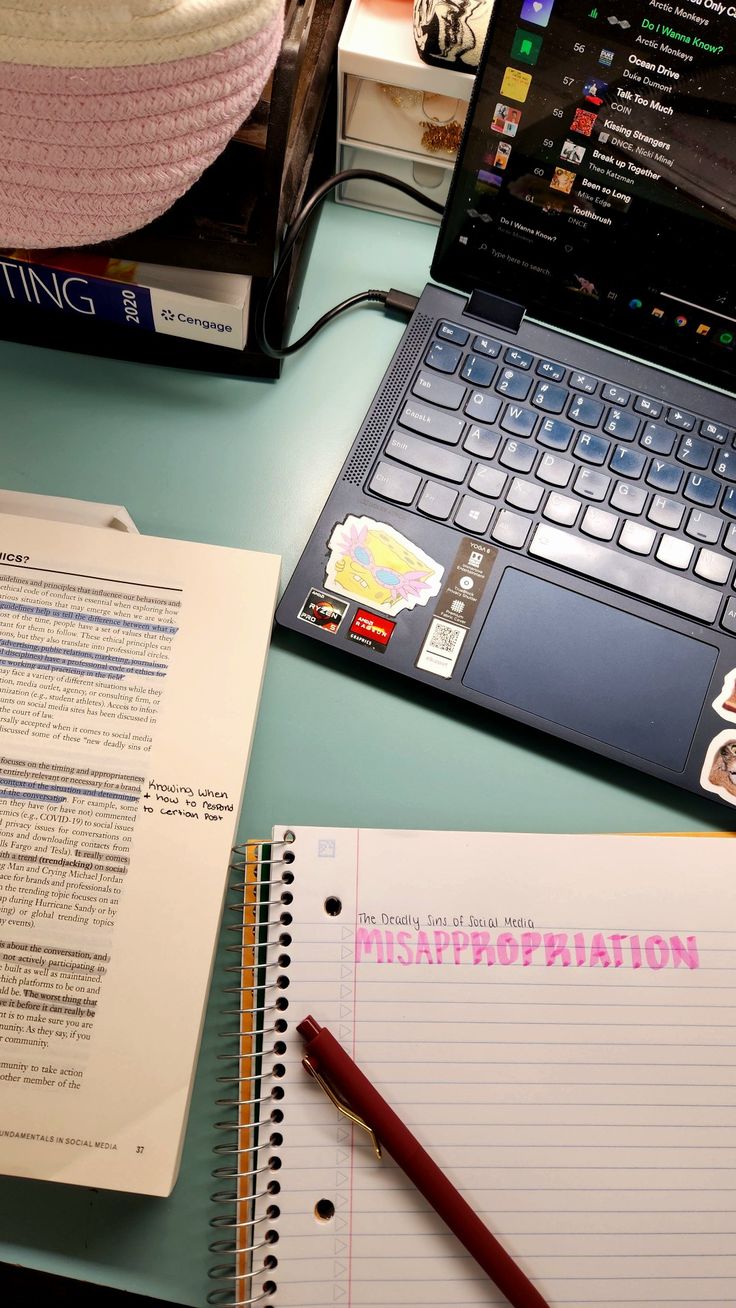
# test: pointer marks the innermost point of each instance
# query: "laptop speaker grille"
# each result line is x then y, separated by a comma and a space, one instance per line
393, 390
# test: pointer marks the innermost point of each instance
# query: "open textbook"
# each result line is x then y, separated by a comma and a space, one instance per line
130, 674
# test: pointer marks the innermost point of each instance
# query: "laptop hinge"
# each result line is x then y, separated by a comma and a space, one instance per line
493, 309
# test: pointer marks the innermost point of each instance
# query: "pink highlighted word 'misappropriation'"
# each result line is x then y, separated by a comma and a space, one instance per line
549, 948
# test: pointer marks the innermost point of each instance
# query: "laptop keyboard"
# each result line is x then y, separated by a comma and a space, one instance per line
568, 468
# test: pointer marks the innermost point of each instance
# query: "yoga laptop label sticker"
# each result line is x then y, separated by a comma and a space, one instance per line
372, 562
371, 630
323, 611
725, 702
719, 770
456, 607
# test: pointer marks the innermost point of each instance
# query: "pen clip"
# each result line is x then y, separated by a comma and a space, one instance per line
341, 1107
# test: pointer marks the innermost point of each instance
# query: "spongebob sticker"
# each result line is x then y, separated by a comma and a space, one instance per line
372, 562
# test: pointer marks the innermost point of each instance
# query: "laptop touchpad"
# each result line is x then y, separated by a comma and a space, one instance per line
581, 664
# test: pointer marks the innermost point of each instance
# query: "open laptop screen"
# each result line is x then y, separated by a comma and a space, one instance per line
597, 179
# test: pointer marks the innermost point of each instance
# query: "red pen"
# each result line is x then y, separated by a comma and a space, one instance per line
338, 1075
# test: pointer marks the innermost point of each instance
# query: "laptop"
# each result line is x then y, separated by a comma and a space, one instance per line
538, 514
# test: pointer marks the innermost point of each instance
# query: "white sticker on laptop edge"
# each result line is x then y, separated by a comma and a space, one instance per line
372, 562
725, 702
440, 651
719, 769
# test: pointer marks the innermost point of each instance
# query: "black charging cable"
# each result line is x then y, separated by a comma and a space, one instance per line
394, 301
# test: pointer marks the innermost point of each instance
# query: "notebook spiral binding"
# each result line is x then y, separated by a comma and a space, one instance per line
259, 903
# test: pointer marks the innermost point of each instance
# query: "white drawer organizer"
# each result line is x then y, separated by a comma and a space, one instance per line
396, 114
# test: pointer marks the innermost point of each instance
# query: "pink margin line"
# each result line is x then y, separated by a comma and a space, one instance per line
352, 1129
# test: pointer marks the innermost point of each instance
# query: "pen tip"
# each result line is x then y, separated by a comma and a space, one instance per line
309, 1028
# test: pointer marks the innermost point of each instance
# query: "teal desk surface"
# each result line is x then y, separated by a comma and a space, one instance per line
249, 464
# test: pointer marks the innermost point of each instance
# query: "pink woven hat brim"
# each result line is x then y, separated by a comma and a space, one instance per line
88, 154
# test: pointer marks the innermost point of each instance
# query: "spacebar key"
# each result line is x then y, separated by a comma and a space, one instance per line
630, 575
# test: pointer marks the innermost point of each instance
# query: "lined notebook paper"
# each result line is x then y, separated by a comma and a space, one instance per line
553, 1017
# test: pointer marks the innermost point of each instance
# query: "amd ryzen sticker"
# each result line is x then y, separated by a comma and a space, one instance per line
323, 611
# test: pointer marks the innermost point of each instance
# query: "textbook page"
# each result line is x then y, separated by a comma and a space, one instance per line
553, 1018
130, 674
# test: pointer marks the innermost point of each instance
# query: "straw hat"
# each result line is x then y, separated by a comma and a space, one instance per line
110, 110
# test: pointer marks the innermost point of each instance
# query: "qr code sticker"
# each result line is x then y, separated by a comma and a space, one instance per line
444, 637
441, 648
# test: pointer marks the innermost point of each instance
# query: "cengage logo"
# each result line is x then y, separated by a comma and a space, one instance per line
206, 324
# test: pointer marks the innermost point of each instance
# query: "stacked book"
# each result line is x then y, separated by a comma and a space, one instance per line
195, 303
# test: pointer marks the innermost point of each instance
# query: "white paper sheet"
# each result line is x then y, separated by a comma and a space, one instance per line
557, 1029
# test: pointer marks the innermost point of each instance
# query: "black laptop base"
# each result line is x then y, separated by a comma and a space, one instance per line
496, 533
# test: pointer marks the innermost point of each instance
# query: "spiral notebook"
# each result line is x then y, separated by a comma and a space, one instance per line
552, 1016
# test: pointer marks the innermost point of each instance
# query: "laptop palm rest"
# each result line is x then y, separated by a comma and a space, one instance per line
593, 669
